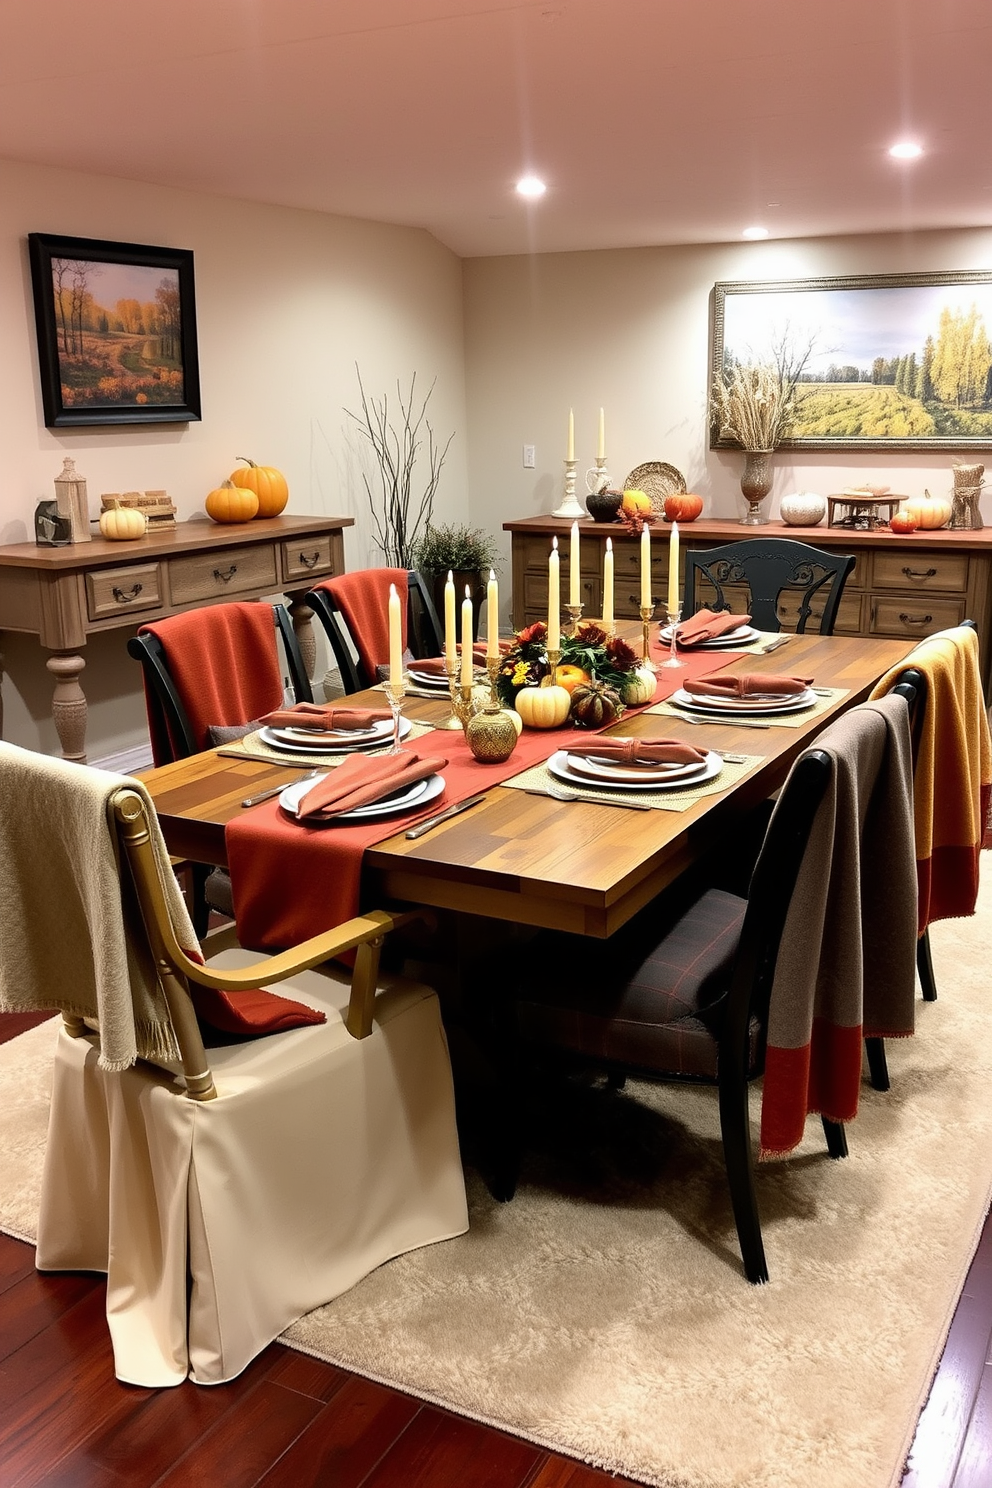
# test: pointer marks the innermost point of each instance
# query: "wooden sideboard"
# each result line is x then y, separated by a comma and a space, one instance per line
64, 595
903, 586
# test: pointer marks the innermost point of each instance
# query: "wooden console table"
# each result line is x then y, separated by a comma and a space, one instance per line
64, 595
904, 586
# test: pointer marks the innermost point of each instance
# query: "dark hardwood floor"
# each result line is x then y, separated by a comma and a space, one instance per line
290, 1421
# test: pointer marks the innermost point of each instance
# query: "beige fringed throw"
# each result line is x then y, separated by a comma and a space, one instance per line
63, 892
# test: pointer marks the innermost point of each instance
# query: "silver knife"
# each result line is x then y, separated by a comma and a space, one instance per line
433, 821
782, 640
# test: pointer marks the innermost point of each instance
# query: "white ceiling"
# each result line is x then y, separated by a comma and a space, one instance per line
653, 121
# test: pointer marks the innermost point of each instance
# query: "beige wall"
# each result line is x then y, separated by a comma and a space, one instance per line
628, 330
287, 303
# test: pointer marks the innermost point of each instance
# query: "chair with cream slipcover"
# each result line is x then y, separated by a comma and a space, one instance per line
225, 1192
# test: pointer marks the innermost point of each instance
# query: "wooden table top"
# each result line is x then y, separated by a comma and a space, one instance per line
572, 866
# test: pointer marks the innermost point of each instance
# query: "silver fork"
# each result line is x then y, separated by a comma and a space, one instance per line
277, 790
558, 794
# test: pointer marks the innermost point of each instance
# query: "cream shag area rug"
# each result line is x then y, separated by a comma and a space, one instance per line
604, 1312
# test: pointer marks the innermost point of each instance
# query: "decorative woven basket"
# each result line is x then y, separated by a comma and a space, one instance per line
657, 480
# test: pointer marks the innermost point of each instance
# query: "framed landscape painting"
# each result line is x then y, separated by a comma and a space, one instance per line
116, 332
886, 361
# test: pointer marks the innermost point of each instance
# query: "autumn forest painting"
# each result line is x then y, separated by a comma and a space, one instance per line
118, 333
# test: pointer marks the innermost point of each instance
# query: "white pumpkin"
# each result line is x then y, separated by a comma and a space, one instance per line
639, 687
543, 707
803, 509
122, 524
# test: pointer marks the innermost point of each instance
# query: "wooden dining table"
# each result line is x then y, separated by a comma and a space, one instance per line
529, 859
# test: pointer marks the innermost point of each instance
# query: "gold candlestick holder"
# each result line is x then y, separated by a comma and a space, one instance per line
575, 612
554, 657
492, 672
463, 705
453, 720
646, 613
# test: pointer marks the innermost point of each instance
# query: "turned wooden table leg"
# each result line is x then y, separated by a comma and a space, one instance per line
302, 615
69, 704
1, 694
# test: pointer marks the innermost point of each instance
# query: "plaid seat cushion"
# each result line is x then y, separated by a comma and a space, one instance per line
658, 1009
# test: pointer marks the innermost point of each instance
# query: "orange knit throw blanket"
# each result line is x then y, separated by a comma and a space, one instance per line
952, 776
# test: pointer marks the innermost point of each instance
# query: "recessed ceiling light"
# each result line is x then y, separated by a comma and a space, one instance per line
530, 186
755, 232
906, 150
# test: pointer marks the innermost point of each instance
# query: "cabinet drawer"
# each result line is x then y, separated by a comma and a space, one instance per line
308, 558
222, 573
921, 571
115, 591
914, 615
536, 594
848, 621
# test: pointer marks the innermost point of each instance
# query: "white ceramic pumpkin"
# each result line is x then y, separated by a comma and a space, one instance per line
639, 687
122, 524
803, 509
543, 707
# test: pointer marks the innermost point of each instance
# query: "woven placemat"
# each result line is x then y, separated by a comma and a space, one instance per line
830, 695
539, 777
252, 747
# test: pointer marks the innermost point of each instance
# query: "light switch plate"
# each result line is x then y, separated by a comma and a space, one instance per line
530, 451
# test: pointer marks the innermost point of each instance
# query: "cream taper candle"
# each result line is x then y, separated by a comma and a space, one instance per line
573, 565
395, 639
571, 436
467, 639
554, 598
673, 569
492, 616
608, 583
645, 567
450, 629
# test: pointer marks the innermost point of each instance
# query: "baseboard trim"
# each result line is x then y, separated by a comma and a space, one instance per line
126, 761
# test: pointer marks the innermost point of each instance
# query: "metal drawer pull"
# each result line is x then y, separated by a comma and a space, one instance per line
310, 562
916, 619
125, 596
225, 578
919, 573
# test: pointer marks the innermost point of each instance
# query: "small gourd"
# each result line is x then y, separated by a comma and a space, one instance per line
639, 687
123, 524
543, 707
595, 705
683, 506
230, 503
929, 511
636, 503
269, 485
903, 522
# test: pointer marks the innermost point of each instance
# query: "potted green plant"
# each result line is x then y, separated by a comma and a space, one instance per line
467, 552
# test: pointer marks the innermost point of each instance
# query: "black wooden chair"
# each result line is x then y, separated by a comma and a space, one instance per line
685, 1000
360, 650
176, 736
770, 569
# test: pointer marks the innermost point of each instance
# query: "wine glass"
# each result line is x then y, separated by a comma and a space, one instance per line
395, 693
673, 656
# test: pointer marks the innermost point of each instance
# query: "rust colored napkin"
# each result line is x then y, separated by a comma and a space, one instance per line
706, 625
641, 752
747, 684
361, 780
325, 717
434, 666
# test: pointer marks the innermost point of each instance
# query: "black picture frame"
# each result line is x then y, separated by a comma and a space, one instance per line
861, 322
116, 332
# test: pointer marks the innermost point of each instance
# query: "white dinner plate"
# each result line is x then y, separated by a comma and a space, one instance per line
742, 636
610, 773
744, 706
562, 770
308, 741
411, 799
429, 679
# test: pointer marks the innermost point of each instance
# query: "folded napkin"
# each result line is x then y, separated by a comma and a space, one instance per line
640, 752
362, 780
435, 665
706, 625
325, 717
747, 684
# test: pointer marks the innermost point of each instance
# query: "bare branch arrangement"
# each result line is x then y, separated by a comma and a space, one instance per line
756, 403
399, 516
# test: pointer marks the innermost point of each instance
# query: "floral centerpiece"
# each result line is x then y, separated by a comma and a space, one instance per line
601, 671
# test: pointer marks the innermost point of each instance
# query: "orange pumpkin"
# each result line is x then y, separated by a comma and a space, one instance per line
683, 506
269, 485
570, 677
902, 521
636, 503
229, 503
928, 511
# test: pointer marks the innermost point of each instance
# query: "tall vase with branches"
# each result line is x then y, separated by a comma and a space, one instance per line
401, 506
756, 404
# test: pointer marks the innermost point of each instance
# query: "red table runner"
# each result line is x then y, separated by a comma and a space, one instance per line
292, 880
